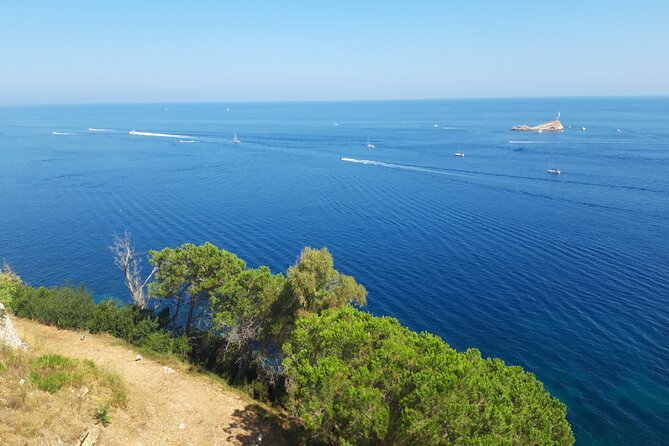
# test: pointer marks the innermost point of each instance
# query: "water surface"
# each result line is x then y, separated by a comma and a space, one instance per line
565, 275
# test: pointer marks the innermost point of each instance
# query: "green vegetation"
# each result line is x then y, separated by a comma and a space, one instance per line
137, 326
9, 282
359, 379
101, 415
57, 398
52, 372
65, 306
191, 274
347, 377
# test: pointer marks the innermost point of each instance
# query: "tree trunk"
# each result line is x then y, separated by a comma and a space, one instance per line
175, 320
189, 321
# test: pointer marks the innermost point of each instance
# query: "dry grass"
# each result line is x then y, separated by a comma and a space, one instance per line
52, 403
169, 403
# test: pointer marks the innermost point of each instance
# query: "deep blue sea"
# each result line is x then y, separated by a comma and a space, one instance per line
565, 275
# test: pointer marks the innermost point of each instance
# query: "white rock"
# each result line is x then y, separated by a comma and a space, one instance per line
8, 334
166, 369
138, 358
182, 426
22, 382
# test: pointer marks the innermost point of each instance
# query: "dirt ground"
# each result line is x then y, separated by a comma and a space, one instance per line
166, 406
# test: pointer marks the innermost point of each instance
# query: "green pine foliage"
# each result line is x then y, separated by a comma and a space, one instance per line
354, 378
190, 274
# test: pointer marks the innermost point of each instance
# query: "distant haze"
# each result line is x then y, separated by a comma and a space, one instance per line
151, 51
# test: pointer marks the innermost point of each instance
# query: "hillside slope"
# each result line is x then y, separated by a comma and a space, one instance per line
165, 406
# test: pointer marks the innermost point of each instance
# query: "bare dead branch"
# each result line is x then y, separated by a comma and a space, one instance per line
128, 261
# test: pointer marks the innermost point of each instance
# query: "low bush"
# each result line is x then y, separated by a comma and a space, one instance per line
65, 306
9, 282
139, 327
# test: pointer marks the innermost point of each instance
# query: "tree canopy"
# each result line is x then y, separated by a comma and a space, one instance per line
193, 273
354, 378
316, 285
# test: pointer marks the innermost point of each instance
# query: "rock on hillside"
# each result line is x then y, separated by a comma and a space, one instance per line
8, 334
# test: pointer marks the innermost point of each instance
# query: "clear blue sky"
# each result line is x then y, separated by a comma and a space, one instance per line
161, 51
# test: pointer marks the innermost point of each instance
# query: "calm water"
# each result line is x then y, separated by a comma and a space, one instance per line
565, 275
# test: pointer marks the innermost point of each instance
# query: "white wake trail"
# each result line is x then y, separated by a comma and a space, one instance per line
404, 167
159, 135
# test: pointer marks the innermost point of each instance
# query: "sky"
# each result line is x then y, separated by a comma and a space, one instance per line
57, 51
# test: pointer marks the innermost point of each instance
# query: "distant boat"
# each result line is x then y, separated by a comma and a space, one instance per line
435, 125
459, 153
335, 123
553, 170
235, 139
369, 144
583, 129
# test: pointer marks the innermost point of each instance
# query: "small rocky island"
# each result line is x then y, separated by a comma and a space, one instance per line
551, 126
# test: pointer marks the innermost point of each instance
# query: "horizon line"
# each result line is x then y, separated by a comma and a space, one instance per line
307, 101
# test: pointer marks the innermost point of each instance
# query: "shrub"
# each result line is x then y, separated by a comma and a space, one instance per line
126, 322
359, 379
9, 283
65, 306
137, 326
101, 415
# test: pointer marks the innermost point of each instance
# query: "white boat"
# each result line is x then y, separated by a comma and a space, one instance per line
553, 170
369, 144
335, 123
235, 139
459, 153
583, 129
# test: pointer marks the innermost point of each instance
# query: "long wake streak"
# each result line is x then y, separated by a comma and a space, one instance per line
404, 167
160, 135
490, 176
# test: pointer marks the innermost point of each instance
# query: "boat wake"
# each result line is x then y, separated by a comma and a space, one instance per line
186, 140
159, 135
404, 167
528, 142
62, 133
100, 130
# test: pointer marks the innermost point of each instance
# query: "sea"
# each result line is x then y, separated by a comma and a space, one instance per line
565, 275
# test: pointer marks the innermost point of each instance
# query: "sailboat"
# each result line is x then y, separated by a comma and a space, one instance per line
369, 144
459, 153
235, 139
